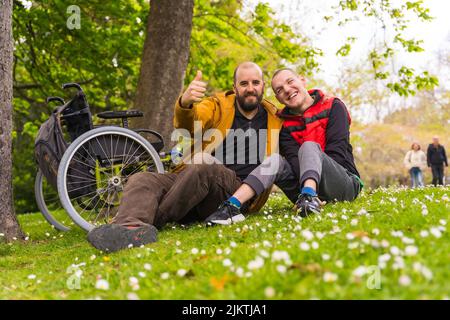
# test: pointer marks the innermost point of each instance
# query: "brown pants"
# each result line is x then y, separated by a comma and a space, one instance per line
192, 194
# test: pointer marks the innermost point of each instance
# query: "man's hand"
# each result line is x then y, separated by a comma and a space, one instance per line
194, 92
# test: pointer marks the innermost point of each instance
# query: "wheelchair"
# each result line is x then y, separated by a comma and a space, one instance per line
96, 165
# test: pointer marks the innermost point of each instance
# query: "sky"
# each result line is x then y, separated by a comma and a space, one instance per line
307, 16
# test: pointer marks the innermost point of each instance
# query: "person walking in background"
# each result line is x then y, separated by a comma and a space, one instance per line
436, 158
415, 161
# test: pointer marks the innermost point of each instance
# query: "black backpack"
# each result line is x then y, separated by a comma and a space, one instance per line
50, 144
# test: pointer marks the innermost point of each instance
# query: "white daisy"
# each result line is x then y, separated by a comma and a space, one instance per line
281, 268
304, 246
350, 236
411, 250
424, 233
256, 264
384, 257
227, 262
395, 250
240, 272
320, 235
280, 255
181, 272
436, 232
325, 256
359, 272
330, 277
269, 292
404, 280
165, 275
102, 284
308, 235
132, 296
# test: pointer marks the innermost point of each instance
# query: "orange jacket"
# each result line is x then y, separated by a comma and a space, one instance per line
217, 112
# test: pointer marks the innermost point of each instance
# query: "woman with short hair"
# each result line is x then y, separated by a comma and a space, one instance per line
415, 161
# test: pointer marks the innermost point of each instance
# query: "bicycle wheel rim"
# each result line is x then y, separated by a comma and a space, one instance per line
48, 202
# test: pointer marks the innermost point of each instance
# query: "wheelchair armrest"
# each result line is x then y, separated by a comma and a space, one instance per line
120, 114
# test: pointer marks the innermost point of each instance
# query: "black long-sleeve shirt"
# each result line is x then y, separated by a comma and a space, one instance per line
337, 145
436, 156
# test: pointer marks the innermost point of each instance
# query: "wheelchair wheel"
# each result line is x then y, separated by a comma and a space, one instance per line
48, 201
96, 167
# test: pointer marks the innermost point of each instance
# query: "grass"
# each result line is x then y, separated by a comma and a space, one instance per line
384, 245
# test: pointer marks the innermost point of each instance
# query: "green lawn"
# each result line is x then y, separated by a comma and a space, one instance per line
391, 244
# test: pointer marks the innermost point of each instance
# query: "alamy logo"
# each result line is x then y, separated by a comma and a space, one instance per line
74, 20
241, 147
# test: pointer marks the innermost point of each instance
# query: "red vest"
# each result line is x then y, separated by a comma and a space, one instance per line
312, 125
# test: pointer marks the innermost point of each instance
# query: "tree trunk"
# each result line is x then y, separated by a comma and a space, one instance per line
9, 227
164, 62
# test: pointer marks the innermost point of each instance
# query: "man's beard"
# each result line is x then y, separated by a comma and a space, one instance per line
249, 106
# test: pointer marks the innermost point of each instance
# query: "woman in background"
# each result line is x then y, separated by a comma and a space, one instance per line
415, 161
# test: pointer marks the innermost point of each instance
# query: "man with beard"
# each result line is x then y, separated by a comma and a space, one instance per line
193, 192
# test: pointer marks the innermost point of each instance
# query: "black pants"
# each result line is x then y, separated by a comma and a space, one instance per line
438, 174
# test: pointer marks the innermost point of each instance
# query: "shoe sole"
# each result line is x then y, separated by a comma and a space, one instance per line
234, 219
112, 237
305, 213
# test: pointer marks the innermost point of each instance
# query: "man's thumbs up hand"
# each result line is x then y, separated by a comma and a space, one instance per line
194, 92
198, 76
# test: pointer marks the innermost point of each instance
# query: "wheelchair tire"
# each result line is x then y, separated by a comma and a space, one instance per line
47, 201
95, 168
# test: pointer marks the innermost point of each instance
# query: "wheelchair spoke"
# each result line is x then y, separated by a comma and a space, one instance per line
126, 166
84, 195
112, 154
101, 147
80, 161
91, 211
88, 153
138, 168
82, 187
99, 213
81, 178
126, 155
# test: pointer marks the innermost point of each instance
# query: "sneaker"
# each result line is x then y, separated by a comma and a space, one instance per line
226, 214
307, 205
114, 237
